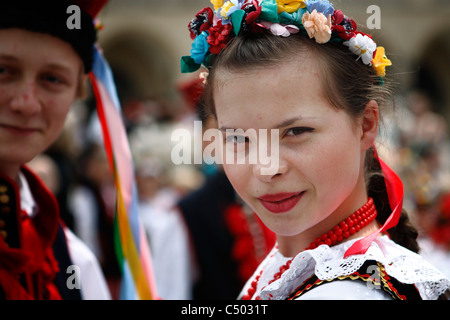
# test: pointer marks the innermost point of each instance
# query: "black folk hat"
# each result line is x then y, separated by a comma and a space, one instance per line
58, 18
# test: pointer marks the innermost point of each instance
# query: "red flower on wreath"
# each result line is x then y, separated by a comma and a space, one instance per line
344, 27
219, 36
252, 12
202, 22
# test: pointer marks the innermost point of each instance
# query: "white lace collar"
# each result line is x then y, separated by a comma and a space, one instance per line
328, 263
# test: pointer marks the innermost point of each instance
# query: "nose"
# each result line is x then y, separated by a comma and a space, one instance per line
269, 171
24, 99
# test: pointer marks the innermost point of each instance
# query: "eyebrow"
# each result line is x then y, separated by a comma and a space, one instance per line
288, 122
8, 57
55, 66
283, 124
59, 67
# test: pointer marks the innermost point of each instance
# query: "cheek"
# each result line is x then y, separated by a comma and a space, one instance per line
56, 112
239, 176
4, 96
337, 165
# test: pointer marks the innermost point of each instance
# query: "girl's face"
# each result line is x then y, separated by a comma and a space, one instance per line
39, 79
321, 150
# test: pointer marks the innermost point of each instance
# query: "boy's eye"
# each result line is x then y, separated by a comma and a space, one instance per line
298, 130
5, 70
53, 79
8, 73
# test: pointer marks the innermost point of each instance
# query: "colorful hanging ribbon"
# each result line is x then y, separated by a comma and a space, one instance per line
131, 245
394, 189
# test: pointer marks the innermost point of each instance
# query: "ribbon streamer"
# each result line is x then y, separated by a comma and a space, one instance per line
394, 189
131, 245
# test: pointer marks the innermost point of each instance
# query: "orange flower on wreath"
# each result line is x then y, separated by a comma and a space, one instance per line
317, 26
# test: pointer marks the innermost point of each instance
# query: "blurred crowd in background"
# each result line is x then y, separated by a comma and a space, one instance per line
204, 242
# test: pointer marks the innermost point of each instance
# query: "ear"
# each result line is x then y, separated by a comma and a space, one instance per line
369, 124
82, 88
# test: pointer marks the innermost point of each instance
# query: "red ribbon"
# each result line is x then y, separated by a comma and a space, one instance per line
394, 189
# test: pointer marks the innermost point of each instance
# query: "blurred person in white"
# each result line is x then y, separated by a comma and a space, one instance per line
91, 202
159, 187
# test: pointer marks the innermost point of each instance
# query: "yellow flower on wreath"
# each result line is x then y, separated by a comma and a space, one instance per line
380, 62
223, 13
217, 4
290, 5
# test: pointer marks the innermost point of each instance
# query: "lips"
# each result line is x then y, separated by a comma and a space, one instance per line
17, 130
280, 202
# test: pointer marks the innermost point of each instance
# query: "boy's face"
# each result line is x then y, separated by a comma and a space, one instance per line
39, 80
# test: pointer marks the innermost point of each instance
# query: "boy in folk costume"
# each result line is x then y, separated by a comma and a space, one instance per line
44, 62
302, 70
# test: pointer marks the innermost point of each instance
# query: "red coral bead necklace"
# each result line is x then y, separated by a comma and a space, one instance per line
354, 223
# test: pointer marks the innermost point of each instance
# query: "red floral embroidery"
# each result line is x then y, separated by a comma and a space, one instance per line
244, 251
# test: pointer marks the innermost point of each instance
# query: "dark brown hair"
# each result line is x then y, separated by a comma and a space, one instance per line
347, 83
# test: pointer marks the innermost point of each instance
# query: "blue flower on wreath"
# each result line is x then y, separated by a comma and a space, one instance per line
323, 6
200, 47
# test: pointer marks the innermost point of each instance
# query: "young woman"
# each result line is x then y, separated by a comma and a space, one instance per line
302, 68
43, 69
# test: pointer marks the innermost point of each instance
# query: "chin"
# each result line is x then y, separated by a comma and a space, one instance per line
20, 159
283, 226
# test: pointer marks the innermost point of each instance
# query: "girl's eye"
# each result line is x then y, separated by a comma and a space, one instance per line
298, 131
237, 139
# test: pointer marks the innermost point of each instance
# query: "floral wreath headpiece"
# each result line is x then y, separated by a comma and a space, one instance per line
212, 30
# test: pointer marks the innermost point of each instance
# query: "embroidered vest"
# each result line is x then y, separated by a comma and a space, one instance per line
371, 272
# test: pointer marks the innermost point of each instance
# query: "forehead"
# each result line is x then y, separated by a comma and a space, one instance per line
302, 68
269, 91
34, 48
